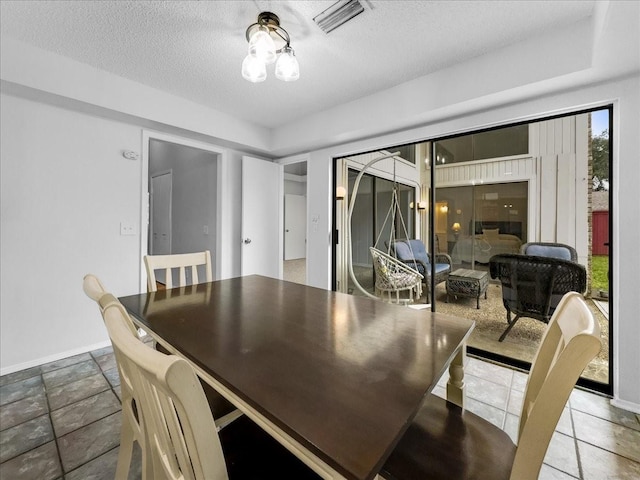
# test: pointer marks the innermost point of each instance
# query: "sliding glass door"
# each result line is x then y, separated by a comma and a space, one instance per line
545, 181
490, 192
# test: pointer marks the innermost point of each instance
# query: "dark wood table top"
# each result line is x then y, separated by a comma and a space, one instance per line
342, 375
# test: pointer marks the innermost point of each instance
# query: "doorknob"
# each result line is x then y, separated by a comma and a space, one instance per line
247, 241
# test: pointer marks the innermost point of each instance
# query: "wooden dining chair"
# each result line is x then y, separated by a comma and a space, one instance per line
93, 287
186, 264
222, 409
446, 442
182, 440
132, 429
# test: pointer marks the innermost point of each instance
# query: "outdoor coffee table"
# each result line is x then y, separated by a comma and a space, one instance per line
468, 283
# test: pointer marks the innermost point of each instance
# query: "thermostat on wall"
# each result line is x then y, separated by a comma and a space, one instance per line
130, 155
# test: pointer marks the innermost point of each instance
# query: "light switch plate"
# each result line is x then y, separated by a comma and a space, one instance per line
127, 228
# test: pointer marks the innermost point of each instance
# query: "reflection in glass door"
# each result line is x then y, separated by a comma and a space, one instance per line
492, 198
369, 227
492, 192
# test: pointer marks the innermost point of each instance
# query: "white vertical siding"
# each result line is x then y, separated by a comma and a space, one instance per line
489, 171
557, 172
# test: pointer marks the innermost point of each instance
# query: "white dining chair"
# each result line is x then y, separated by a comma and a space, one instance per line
186, 264
446, 442
132, 429
181, 437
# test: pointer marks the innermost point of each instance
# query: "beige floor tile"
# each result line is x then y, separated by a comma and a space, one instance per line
601, 407
607, 435
511, 426
519, 381
565, 425
489, 413
486, 391
598, 464
550, 473
562, 454
489, 371
515, 402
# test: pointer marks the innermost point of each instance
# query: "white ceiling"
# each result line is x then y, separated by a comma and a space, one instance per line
194, 49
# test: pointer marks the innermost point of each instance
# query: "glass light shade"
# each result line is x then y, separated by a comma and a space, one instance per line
287, 67
262, 46
253, 69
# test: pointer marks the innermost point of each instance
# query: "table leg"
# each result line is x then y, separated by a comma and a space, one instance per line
455, 385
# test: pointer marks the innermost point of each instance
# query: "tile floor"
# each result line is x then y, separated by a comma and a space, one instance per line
62, 420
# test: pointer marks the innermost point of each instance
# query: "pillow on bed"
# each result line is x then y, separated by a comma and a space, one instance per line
491, 233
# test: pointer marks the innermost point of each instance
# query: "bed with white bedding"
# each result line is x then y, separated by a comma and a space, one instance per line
481, 247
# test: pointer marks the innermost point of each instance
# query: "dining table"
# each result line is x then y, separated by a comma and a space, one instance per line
335, 378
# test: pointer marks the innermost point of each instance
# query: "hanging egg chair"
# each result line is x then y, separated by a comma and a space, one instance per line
392, 276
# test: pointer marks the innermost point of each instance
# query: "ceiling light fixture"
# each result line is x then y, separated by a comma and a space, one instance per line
268, 43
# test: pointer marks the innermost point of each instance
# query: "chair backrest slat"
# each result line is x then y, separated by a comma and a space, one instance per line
182, 261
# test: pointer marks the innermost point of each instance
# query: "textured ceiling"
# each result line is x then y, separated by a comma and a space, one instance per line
194, 49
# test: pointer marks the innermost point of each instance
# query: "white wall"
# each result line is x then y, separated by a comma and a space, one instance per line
65, 189
295, 187
25, 68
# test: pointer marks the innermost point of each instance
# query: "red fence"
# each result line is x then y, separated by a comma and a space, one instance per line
600, 233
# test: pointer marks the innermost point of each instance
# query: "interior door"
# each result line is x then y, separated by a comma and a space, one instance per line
262, 212
295, 226
161, 189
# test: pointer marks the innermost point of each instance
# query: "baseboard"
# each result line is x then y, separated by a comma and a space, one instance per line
53, 358
629, 406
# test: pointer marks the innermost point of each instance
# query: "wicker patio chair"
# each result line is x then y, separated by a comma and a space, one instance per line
532, 286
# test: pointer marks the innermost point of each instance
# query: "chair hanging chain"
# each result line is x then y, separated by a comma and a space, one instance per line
394, 208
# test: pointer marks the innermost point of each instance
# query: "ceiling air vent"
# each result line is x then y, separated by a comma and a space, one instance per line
338, 14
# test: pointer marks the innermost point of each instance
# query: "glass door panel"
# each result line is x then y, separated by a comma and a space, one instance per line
372, 223
495, 191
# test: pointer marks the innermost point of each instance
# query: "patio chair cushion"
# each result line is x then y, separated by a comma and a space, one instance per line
408, 250
551, 250
442, 268
404, 253
419, 252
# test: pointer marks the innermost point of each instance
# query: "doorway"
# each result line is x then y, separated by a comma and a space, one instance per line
182, 208
160, 217
294, 256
